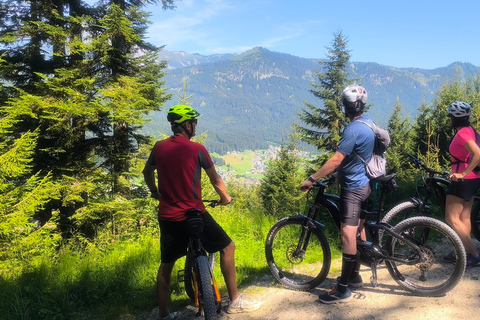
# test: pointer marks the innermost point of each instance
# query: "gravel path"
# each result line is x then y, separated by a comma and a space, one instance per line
387, 301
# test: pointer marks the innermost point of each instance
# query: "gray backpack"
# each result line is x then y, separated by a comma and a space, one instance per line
377, 166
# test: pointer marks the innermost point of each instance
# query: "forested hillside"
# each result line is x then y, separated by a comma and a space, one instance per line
250, 101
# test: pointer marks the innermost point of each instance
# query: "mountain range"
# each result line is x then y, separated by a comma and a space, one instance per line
250, 100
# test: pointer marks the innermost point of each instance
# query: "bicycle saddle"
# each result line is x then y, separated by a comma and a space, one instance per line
194, 222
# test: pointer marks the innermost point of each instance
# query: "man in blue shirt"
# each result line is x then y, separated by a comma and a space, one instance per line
355, 188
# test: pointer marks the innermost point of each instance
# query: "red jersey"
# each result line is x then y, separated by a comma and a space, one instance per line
179, 164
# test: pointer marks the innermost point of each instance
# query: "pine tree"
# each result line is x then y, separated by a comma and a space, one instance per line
279, 189
326, 123
400, 135
86, 98
21, 194
433, 129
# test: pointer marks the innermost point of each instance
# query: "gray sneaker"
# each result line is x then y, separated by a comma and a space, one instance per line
335, 296
241, 305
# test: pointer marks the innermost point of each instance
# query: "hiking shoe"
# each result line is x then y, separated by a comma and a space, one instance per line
241, 305
171, 316
450, 257
472, 261
354, 283
335, 296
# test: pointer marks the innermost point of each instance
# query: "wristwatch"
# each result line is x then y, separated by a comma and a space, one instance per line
311, 179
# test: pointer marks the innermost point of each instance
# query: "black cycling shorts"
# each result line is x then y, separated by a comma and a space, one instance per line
465, 189
351, 202
174, 238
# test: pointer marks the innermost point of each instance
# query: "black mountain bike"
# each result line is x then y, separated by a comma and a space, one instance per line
198, 278
298, 253
423, 204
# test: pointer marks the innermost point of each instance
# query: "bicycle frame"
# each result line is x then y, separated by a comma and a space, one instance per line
370, 252
436, 182
431, 183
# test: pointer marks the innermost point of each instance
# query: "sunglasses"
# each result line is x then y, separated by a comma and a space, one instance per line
194, 121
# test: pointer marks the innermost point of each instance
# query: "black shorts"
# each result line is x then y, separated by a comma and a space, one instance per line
174, 238
465, 189
351, 202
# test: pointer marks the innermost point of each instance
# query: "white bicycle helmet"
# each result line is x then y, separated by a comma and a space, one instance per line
354, 99
459, 109
354, 93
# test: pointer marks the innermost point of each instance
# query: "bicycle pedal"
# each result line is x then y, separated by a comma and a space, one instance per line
225, 300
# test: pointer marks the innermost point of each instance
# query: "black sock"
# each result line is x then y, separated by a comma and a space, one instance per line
348, 264
356, 272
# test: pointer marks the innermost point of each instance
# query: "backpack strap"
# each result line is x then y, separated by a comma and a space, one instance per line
458, 161
374, 134
368, 125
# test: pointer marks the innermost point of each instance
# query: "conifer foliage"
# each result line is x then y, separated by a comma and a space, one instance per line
78, 82
325, 123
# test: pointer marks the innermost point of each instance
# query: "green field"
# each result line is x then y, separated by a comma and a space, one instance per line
241, 163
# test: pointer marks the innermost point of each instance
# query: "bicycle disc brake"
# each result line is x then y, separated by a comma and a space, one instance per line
428, 256
295, 256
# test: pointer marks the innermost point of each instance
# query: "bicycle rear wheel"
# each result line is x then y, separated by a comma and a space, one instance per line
299, 257
430, 275
188, 275
206, 294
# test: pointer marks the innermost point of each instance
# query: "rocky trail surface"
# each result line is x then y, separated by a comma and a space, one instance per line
386, 301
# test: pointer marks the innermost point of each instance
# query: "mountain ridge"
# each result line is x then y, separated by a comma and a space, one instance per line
250, 100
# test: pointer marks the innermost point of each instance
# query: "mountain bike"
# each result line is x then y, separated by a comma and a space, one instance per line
299, 256
200, 284
433, 183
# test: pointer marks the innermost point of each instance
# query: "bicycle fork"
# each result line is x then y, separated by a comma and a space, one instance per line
218, 298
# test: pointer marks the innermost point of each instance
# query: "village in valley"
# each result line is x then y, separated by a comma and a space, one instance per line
249, 166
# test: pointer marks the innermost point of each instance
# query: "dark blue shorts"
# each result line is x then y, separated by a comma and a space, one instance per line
465, 189
351, 204
174, 238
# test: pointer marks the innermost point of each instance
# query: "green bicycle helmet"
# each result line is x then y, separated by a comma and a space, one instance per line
181, 113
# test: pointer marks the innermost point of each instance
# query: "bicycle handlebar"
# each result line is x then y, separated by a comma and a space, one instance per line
324, 183
214, 203
420, 165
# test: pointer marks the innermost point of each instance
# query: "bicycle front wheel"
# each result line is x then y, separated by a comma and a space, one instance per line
188, 272
401, 212
423, 271
205, 290
297, 253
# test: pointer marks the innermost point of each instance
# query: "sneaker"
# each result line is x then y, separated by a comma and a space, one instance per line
171, 316
241, 305
472, 261
354, 283
335, 296
450, 257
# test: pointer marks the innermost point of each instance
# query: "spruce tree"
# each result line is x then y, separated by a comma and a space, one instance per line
399, 129
325, 123
279, 189
84, 79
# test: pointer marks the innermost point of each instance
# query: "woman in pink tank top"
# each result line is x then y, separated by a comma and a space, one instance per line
464, 180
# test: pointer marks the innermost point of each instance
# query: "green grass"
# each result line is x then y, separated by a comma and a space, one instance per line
115, 279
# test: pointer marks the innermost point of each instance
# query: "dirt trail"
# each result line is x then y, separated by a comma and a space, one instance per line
387, 301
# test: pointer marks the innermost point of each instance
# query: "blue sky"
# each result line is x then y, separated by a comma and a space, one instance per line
423, 33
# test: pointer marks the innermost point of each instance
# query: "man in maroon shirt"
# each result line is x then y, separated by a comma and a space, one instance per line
179, 162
